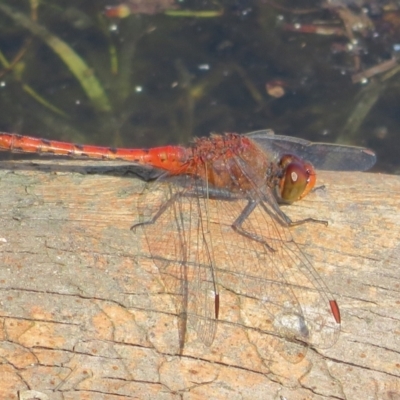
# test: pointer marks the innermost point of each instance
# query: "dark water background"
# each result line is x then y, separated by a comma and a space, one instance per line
166, 79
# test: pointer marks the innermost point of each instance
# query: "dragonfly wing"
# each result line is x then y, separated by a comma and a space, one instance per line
203, 306
179, 249
325, 156
283, 296
295, 301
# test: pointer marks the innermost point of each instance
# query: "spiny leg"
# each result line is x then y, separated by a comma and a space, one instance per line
237, 225
160, 212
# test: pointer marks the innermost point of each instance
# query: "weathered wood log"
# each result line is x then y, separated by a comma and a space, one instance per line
84, 317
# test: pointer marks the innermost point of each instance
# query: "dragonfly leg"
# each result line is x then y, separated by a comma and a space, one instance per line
307, 220
160, 212
195, 192
237, 225
283, 218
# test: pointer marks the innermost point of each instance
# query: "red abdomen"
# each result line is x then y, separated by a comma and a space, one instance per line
169, 158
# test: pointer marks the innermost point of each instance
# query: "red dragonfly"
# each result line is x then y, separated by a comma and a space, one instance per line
221, 196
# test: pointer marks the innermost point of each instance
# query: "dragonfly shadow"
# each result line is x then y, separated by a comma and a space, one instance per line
82, 166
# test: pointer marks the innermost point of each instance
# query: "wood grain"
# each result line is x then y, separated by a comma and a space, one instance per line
84, 317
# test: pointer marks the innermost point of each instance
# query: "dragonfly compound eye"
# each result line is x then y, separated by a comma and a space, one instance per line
298, 179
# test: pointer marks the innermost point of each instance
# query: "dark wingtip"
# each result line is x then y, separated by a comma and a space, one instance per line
335, 310
216, 306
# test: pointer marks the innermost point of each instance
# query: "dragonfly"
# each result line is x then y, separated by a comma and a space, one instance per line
213, 220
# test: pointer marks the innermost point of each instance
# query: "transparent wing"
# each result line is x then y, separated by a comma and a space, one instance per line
289, 266
179, 244
284, 304
325, 156
291, 295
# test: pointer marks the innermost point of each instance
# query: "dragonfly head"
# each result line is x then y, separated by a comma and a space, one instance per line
297, 180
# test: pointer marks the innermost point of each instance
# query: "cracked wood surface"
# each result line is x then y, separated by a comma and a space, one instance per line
83, 317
